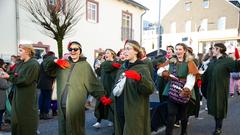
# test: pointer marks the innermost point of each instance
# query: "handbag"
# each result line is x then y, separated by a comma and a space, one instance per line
175, 88
118, 88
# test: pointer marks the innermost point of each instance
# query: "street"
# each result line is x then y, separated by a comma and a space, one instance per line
204, 125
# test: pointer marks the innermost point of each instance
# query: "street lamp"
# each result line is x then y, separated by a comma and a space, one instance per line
159, 28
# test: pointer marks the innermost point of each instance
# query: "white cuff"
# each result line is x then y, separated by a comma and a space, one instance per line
190, 81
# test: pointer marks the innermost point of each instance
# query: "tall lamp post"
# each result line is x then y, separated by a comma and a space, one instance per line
159, 28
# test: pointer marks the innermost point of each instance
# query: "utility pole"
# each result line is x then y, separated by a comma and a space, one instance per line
159, 28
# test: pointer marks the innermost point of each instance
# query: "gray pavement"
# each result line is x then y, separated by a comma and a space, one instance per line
203, 125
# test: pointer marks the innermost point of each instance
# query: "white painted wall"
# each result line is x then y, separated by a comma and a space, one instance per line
105, 34
8, 29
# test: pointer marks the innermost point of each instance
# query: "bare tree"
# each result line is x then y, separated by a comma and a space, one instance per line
55, 17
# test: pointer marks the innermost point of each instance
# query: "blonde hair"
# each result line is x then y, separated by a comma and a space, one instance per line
29, 48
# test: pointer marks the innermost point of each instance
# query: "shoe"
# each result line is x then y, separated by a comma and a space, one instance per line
217, 132
46, 117
97, 125
206, 108
5, 128
38, 132
110, 124
54, 113
41, 116
238, 92
177, 124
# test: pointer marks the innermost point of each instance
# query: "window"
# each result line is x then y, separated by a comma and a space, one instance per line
222, 23
52, 2
173, 27
204, 25
92, 11
205, 3
127, 32
188, 26
188, 6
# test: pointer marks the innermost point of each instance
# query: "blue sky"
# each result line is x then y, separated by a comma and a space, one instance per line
153, 6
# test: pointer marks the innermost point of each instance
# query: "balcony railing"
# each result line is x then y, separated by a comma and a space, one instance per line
127, 33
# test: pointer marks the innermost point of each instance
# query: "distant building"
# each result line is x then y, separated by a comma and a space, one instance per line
150, 36
200, 23
104, 24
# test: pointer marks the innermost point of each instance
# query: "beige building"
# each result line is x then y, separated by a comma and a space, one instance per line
200, 23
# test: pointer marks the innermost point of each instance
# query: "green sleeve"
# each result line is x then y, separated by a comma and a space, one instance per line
50, 66
146, 85
30, 74
92, 84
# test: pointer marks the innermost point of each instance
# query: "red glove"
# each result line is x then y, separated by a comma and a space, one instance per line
133, 75
236, 54
106, 101
63, 63
199, 83
116, 65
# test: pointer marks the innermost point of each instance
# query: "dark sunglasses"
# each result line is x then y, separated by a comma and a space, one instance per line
74, 49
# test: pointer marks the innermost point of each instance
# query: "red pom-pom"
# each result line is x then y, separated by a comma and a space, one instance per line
63, 63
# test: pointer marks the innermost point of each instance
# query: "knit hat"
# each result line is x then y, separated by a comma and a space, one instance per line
75, 43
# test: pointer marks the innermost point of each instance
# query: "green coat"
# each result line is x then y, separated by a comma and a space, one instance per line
135, 104
82, 81
149, 64
108, 75
217, 76
24, 103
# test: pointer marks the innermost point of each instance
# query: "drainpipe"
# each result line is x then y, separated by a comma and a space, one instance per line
17, 23
141, 27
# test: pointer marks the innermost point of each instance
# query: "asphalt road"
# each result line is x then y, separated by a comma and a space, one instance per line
204, 125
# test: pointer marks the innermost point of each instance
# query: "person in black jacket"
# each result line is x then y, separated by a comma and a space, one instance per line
45, 85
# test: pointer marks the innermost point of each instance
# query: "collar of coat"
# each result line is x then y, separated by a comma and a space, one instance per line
80, 59
128, 65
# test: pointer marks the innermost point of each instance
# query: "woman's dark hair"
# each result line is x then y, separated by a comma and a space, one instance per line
171, 47
119, 52
50, 53
1, 63
222, 47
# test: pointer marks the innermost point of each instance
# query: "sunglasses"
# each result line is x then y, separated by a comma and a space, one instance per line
74, 49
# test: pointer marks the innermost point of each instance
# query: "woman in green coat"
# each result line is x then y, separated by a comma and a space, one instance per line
24, 104
216, 78
108, 70
75, 79
131, 110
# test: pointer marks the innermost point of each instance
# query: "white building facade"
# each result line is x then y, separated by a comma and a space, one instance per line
107, 24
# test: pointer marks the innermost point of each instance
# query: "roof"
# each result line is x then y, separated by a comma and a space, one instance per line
134, 3
235, 3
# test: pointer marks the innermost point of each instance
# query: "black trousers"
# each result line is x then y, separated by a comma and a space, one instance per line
218, 122
175, 109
